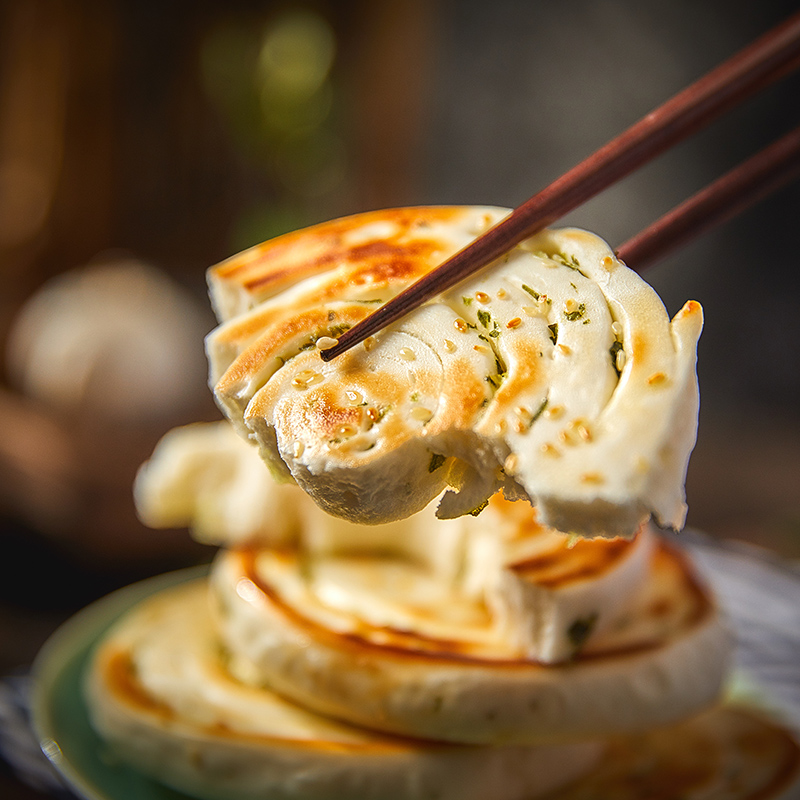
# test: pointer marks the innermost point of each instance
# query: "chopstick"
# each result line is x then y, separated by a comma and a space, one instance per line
770, 57
769, 170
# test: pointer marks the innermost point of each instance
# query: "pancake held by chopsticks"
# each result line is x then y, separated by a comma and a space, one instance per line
556, 375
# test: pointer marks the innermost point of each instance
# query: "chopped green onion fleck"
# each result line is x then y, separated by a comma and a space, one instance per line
532, 292
437, 459
576, 314
613, 350
581, 629
539, 411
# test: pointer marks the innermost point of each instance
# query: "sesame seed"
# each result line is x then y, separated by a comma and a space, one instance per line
514, 323
298, 383
326, 342
564, 349
316, 378
621, 359
449, 346
550, 450
369, 343
554, 412
460, 325
420, 413
407, 354
584, 432
520, 426
481, 348
482, 297
346, 430
616, 327
502, 294
356, 398
521, 412
592, 477
305, 375
373, 415
608, 263
570, 305
297, 449
657, 378
510, 464
500, 427
484, 224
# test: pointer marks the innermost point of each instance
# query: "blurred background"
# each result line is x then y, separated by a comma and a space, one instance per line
141, 142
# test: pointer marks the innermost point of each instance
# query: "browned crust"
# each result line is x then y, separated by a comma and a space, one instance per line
689, 757
300, 254
660, 765
587, 558
408, 646
284, 330
117, 671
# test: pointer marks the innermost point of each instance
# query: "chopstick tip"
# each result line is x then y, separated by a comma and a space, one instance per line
329, 348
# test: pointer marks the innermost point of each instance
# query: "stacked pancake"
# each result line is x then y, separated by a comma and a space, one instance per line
468, 652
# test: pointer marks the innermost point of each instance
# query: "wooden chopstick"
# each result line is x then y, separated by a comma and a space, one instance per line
770, 57
768, 170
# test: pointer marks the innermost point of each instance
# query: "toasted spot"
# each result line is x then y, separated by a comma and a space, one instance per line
638, 348
120, 674
326, 416
394, 244
690, 308
554, 412
584, 560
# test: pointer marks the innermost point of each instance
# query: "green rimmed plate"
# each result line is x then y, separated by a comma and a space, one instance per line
59, 714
